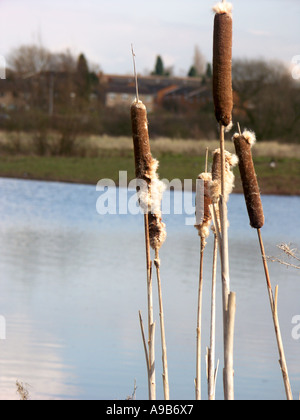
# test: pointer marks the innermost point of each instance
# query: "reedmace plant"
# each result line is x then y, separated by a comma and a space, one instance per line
155, 232
223, 102
243, 144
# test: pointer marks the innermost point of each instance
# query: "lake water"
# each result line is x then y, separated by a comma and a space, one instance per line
72, 283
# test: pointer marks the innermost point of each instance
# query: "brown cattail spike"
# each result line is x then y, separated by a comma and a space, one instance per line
203, 228
222, 64
146, 169
142, 152
243, 144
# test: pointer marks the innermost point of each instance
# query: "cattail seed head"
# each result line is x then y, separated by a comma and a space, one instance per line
243, 144
223, 7
142, 152
203, 228
222, 64
157, 231
146, 169
231, 161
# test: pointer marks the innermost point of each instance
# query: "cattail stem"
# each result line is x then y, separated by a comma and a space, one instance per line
203, 231
162, 329
145, 344
151, 328
228, 348
211, 371
135, 75
199, 322
224, 223
274, 310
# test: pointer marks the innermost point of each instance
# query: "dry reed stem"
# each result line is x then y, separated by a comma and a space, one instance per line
228, 378
152, 385
228, 350
203, 231
291, 254
224, 222
222, 65
243, 144
199, 323
221, 175
162, 329
144, 343
274, 310
211, 371
152, 381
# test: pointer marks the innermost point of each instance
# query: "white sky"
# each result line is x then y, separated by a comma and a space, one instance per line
105, 29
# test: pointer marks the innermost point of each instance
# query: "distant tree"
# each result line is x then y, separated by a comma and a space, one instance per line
159, 69
63, 62
82, 66
208, 72
29, 60
83, 77
267, 99
192, 72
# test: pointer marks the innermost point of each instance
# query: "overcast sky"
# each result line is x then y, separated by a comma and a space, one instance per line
105, 29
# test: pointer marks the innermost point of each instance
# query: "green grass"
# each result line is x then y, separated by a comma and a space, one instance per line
285, 179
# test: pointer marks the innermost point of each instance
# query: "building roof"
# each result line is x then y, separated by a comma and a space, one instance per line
147, 85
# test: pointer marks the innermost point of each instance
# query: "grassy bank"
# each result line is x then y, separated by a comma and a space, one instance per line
105, 157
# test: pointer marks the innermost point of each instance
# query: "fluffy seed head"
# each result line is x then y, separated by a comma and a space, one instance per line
223, 7
249, 137
231, 161
157, 231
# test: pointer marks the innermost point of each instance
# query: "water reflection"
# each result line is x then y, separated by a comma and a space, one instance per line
72, 283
